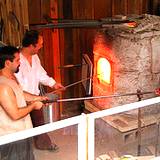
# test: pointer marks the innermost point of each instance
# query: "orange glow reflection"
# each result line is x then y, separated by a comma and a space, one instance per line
104, 70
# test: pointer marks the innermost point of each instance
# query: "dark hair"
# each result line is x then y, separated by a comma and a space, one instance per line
30, 37
7, 53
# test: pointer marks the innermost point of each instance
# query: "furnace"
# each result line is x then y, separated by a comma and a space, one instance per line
126, 59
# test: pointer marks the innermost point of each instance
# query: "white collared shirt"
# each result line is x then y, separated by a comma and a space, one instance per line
30, 76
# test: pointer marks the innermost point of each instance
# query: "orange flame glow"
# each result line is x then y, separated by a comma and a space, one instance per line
104, 70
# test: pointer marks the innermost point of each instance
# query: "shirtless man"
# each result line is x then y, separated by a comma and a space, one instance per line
14, 112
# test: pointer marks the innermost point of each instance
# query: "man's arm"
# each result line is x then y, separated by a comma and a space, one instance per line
9, 104
45, 79
31, 97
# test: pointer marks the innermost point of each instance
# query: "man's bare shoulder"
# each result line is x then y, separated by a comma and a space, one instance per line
4, 88
6, 93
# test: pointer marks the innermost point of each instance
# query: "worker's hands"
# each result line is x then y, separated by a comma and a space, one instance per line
157, 91
38, 102
58, 86
37, 105
52, 97
41, 98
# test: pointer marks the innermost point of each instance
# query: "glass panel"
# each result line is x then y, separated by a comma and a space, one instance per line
119, 135
66, 139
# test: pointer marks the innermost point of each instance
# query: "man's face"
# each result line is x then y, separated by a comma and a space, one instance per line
16, 63
38, 46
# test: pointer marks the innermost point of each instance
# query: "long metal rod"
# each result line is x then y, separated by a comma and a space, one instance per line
157, 137
71, 65
87, 24
64, 23
72, 84
139, 124
96, 97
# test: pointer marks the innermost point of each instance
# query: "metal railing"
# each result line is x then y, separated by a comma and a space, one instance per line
86, 127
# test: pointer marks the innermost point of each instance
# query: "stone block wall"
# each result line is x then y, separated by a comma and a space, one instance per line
135, 56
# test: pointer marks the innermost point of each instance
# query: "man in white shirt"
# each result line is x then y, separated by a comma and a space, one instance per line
30, 75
